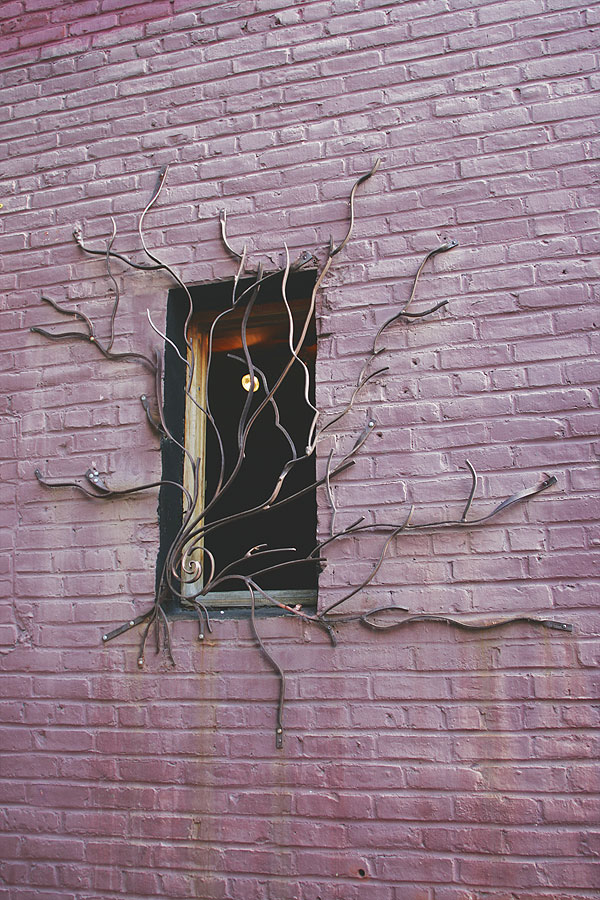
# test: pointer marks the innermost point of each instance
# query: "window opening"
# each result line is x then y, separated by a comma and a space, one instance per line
228, 531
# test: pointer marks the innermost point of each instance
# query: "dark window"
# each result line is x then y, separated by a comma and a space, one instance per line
273, 439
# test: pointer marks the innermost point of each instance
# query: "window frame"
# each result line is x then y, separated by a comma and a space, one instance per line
189, 427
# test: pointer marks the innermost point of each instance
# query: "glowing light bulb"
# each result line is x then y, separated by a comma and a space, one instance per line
246, 382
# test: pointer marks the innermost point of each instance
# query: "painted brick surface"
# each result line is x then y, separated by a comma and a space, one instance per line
421, 765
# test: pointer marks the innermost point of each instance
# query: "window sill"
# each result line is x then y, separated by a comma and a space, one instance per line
237, 603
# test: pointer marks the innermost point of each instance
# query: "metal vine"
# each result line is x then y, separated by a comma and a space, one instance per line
190, 570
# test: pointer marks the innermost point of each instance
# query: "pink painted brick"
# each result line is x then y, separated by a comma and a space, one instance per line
270, 111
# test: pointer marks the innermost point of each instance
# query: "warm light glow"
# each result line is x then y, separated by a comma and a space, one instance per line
246, 382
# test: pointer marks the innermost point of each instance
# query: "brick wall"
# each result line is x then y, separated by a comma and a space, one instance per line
420, 765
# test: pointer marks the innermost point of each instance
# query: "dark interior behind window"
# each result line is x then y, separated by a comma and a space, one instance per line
267, 448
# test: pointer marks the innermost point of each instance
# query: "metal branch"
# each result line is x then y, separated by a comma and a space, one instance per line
113, 314
367, 620
274, 664
89, 336
360, 440
127, 627
77, 235
519, 497
356, 447
165, 267
350, 529
153, 422
223, 223
361, 180
166, 339
253, 554
274, 405
246, 351
443, 248
106, 493
192, 569
330, 492
74, 313
297, 611
159, 384
363, 380
375, 568
166, 631
145, 633
236, 517
293, 350
463, 518
202, 613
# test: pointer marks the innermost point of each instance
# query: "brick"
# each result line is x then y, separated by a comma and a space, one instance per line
565, 108
583, 875
500, 872
511, 810
415, 808
484, 116
425, 866
490, 209
436, 777
495, 12
473, 839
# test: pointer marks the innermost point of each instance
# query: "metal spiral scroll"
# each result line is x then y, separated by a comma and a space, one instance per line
190, 571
